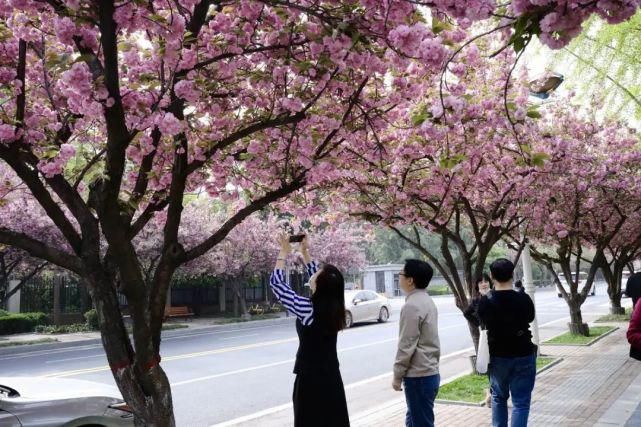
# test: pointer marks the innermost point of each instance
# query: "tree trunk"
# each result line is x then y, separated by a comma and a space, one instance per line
576, 324
235, 298
240, 302
615, 305
614, 289
243, 308
143, 383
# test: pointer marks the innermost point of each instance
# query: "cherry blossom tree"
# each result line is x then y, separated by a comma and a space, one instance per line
457, 172
21, 213
113, 110
578, 210
620, 254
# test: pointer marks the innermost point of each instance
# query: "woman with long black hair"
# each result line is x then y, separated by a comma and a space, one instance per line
319, 396
482, 283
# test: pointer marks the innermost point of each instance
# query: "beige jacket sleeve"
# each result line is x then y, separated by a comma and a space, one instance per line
409, 332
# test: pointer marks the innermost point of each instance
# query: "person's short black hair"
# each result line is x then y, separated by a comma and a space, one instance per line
420, 271
502, 269
483, 277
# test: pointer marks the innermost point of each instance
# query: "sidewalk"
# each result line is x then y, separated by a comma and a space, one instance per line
593, 386
597, 385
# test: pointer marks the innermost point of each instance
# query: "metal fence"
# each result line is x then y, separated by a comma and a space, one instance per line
201, 296
38, 295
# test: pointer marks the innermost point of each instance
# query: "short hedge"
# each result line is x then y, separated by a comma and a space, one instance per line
16, 323
91, 318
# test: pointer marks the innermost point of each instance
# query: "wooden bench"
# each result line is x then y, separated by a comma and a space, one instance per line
179, 311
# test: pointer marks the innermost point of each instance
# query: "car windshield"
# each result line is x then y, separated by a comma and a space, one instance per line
8, 391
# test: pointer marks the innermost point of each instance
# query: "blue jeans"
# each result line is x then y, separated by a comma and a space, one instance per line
515, 376
420, 393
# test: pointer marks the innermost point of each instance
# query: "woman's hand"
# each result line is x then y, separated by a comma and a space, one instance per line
285, 246
304, 250
285, 250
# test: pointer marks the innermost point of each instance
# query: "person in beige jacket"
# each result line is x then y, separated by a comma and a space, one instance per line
419, 349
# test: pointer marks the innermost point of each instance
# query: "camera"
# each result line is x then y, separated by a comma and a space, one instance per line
296, 238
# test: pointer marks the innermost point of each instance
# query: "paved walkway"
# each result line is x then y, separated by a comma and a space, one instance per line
593, 386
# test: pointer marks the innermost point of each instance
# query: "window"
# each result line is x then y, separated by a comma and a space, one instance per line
380, 281
371, 296
397, 286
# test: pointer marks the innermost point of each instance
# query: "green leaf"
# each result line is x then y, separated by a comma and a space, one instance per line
519, 44
420, 115
439, 26
449, 162
534, 113
157, 18
526, 148
539, 158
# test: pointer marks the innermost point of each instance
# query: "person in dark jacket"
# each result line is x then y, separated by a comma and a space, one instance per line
507, 314
518, 286
319, 395
634, 333
482, 283
633, 287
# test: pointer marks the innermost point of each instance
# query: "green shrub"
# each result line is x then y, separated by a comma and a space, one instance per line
16, 323
92, 319
439, 290
4, 313
62, 329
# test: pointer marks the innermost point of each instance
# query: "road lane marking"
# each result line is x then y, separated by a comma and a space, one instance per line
74, 358
279, 408
47, 352
270, 365
178, 357
239, 336
95, 346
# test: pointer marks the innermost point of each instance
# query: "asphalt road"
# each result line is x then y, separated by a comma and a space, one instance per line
221, 374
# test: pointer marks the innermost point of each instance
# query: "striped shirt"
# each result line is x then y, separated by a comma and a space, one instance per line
299, 306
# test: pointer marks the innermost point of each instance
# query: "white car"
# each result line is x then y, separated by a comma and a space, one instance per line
48, 402
366, 306
583, 277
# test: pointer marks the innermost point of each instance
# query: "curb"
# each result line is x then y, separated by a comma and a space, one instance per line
599, 338
460, 403
550, 365
481, 404
8, 350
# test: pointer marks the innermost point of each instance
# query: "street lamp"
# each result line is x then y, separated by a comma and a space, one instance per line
545, 85
540, 88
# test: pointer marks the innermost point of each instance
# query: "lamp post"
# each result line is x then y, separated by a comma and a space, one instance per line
530, 289
540, 88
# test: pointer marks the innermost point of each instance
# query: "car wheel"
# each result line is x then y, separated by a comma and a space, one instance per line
383, 315
348, 319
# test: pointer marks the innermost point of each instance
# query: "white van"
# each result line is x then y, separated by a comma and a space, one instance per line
583, 277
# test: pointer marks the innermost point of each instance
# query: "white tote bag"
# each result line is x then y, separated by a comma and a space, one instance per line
483, 354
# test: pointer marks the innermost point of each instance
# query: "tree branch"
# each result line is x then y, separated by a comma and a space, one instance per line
40, 250
255, 206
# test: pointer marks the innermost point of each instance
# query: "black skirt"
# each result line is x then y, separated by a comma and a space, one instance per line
319, 400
